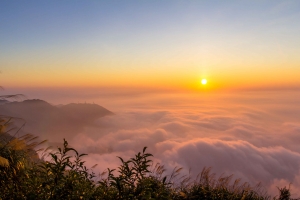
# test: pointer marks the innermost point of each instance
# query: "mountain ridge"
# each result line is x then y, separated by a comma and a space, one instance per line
43, 119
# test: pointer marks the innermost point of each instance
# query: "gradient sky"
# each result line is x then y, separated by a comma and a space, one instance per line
130, 56
158, 44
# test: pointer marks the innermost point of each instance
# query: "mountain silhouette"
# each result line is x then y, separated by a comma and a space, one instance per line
48, 121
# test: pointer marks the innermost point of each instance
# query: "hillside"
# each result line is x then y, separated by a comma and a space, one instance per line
42, 119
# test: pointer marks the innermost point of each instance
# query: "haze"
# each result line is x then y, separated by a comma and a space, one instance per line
144, 61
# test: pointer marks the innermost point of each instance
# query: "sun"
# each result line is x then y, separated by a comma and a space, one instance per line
203, 81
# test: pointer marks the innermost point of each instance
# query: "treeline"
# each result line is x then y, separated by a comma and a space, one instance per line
63, 175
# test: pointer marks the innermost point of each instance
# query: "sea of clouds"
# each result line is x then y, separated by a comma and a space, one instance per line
254, 135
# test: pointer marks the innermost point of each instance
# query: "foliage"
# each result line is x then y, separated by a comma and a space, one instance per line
134, 181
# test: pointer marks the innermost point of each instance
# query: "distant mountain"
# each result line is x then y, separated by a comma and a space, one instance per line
86, 111
3, 101
46, 120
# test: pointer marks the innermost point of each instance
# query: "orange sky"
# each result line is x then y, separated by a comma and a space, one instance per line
170, 45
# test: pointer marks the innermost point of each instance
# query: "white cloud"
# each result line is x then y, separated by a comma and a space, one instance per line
256, 139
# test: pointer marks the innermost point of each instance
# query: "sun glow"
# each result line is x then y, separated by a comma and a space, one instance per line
203, 81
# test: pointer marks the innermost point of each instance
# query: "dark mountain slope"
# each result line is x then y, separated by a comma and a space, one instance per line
48, 121
84, 112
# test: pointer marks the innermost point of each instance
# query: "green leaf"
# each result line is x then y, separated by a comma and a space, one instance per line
144, 149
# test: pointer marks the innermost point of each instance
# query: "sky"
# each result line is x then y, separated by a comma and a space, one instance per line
145, 60
150, 44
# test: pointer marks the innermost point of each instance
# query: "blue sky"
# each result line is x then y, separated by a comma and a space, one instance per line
139, 40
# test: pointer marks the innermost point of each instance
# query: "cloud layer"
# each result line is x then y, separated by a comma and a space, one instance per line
254, 136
